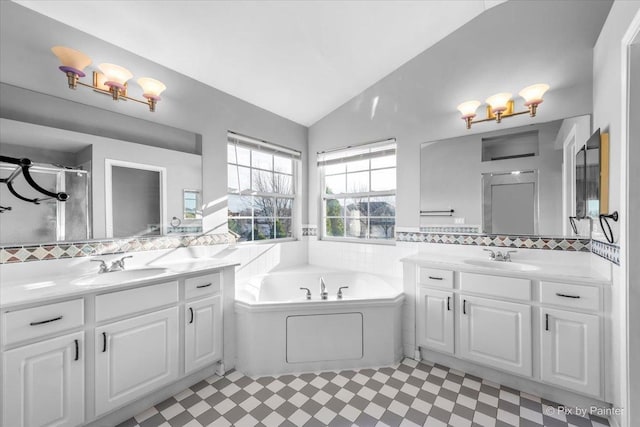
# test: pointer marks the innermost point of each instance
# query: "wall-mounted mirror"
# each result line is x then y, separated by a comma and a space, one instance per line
116, 188
515, 181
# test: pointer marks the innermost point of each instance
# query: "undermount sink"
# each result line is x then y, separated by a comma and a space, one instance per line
119, 276
501, 265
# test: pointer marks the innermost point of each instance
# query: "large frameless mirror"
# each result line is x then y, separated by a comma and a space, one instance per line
115, 188
518, 181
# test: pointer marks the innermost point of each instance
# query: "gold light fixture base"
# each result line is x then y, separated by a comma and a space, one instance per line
505, 113
99, 87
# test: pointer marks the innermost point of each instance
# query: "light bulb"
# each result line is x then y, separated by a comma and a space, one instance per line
72, 60
151, 88
499, 102
115, 75
468, 108
533, 94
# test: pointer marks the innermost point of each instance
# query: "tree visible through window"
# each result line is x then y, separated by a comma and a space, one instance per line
359, 198
261, 189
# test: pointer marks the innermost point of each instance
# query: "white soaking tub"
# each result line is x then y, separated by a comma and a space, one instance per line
279, 330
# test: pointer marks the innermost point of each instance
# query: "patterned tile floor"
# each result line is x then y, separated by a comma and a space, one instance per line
408, 394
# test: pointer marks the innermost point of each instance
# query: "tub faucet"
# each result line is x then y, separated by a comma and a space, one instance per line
308, 294
340, 291
323, 289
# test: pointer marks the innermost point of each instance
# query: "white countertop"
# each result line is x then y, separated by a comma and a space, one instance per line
50, 288
546, 270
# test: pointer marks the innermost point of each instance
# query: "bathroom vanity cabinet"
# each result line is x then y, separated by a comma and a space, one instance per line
71, 362
495, 333
546, 331
44, 383
134, 357
203, 318
44, 371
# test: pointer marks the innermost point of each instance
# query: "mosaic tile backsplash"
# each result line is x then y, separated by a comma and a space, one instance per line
608, 251
25, 253
12, 254
309, 231
518, 242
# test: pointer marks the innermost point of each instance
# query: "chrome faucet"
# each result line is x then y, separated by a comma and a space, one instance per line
118, 265
308, 294
340, 291
499, 256
103, 266
323, 289
492, 254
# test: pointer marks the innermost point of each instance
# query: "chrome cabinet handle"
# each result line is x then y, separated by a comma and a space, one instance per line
204, 286
42, 322
567, 295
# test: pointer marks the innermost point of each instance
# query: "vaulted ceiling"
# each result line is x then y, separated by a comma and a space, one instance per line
298, 59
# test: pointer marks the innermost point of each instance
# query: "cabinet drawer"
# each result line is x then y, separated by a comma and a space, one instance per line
505, 287
122, 303
436, 277
574, 296
202, 285
21, 325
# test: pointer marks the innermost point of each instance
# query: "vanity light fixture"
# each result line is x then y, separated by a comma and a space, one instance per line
501, 105
111, 80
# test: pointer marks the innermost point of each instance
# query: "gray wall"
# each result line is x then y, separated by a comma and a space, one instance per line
417, 102
187, 105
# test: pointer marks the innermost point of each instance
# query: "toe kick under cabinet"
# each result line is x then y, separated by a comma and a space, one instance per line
144, 338
550, 332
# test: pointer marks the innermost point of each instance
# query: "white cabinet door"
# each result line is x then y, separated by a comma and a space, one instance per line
570, 345
496, 333
203, 335
134, 357
43, 383
435, 319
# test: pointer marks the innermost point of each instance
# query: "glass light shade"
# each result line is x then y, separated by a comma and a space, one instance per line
468, 109
115, 74
151, 88
71, 58
533, 94
499, 101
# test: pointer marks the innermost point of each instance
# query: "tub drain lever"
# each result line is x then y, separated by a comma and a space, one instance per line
308, 295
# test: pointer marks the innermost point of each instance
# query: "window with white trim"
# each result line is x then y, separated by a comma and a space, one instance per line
359, 192
261, 188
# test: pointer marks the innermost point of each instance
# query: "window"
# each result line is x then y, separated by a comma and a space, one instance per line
359, 198
261, 185
191, 204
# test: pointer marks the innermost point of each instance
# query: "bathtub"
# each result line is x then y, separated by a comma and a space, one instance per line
280, 331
